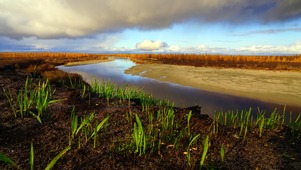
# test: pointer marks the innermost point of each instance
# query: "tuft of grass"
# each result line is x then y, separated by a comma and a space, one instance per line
139, 137
296, 126
99, 126
245, 122
85, 128
7, 160
261, 125
9, 98
108, 90
43, 98
31, 98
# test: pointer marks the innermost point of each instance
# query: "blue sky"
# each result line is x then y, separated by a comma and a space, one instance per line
142, 26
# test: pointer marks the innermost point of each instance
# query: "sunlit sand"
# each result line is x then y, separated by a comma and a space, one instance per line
282, 87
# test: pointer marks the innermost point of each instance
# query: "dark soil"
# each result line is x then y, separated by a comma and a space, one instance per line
276, 149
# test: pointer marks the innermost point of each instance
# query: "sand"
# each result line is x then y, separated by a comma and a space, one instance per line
89, 62
281, 87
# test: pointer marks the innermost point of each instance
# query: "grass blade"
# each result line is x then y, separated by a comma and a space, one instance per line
31, 157
6, 160
222, 153
55, 159
206, 146
100, 125
84, 122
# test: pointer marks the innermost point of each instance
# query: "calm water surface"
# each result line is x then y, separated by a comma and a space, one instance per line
181, 95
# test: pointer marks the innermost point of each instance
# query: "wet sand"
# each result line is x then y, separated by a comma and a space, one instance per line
89, 62
282, 87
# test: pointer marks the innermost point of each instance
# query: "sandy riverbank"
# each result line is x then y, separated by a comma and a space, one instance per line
281, 87
89, 61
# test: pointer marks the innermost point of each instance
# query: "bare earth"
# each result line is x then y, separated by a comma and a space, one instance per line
283, 87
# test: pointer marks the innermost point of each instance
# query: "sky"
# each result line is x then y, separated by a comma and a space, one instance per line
242, 27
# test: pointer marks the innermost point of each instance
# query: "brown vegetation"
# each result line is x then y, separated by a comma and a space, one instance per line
217, 58
198, 60
55, 58
228, 61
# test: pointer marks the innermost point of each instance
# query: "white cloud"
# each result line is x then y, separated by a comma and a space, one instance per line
149, 45
245, 50
78, 18
268, 49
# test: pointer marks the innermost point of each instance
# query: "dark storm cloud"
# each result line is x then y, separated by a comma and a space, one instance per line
285, 10
77, 18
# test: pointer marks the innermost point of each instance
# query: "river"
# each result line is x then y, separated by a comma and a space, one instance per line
182, 96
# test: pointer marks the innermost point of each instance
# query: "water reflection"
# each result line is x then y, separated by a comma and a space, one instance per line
181, 95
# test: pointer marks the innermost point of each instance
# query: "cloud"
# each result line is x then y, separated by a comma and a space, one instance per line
285, 10
101, 43
76, 18
291, 49
149, 45
105, 44
271, 50
268, 31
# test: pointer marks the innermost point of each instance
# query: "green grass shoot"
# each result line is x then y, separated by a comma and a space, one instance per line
7, 160
57, 157
31, 157
192, 141
222, 153
205, 150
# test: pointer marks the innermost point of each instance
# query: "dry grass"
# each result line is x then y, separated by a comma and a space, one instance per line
217, 58
47, 55
212, 60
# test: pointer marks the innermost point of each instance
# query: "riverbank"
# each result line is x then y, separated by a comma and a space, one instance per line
172, 137
281, 87
76, 63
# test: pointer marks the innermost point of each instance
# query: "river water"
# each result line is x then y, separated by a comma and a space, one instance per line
210, 102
